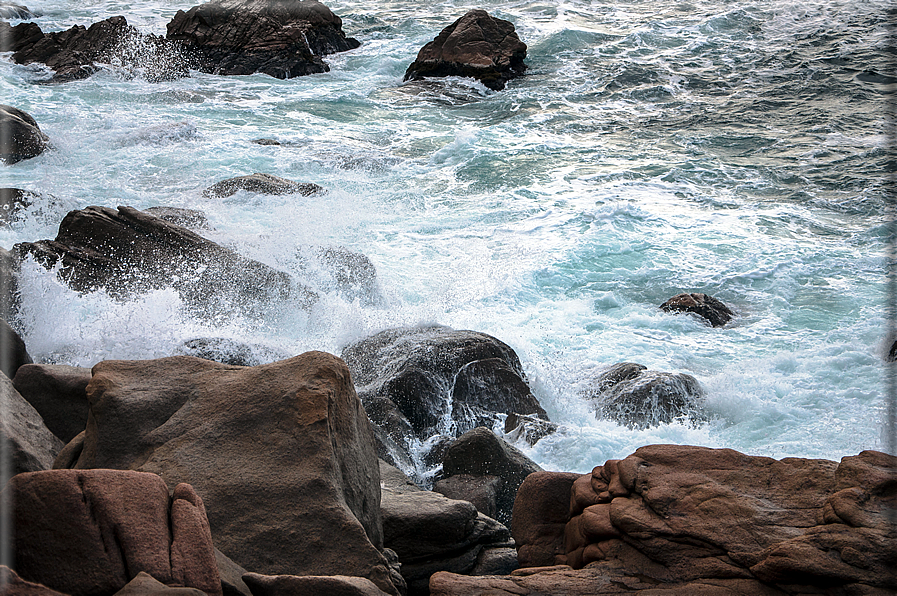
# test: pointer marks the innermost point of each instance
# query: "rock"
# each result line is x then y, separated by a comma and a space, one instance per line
188, 218
232, 583
13, 353
22, 137
481, 491
528, 428
708, 307
541, 512
11, 11
431, 533
89, 532
283, 39
13, 585
262, 184
128, 251
145, 584
77, 53
633, 396
394, 481
31, 446
282, 455
476, 45
338, 269
292, 585
229, 351
12, 202
9, 285
892, 353
57, 392
495, 561
480, 453
406, 380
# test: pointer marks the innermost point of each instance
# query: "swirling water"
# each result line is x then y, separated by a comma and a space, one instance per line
735, 148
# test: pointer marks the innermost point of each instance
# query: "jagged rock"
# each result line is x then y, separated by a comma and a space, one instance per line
58, 394
293, 585
476, 45
89, 532
282, 454
78, 52
127, 251
9, 10
281, 38
31, 446
189, 218
13, 585
708, 307
229, 351
22, 137
631, 395
263, 184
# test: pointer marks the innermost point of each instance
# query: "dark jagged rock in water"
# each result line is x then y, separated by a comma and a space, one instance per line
892, 353
630, 394
700, 304
22, 137
527, 427
127, 251
477, 45
12, 201
281, 38
263, 184
188, 218
78, 52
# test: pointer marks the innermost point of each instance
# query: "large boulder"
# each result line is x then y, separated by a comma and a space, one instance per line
703, 305
13, 352
127, 251
281, 38
90, 532
282, 454
22, 137
541, 512
28, 442
477, 45
57, 392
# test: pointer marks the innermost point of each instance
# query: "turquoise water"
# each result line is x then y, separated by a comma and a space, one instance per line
732, 148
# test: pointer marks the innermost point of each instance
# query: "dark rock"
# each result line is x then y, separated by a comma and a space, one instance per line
527, 427
293, 585
394, 481
282, 454
128, 251
229, 351
263, 184
13, 585
11, 11
231, 574
282, 38
57, 392
31, 446
489, 385
266, 142
631, 395
9, 285
335, 268
13, 353
892, 353
145, 584
541, 512
708, 307
480, 453
481, 491
12, 202
78, 52
496, 561
188, 218
88, 532
476, 45
22, 137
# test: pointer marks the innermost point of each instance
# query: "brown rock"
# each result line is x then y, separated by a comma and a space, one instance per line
481, 491
708, 307
57, 392
541, 512
145, 584
31, 445
292, 585
13, 585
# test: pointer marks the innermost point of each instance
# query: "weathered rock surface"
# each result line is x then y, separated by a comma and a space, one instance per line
479, 452
541, 512
127, 251
406, 378
630, 394
58, 394
293, 585
192, 219
283, 38
708, 307
13, 585
477, 45
282, 454
145, 584
89, 532
13, 352
78, 52
265, 184
22, 137
31, 445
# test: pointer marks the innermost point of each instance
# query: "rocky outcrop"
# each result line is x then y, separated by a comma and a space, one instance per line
477, 45
282, 455
707, 307
78, 52
57, 392
262, 184
527, 428
540, 515
284, 39
22, 137
126, 251
90, 532
12, 202
30, 444
633, 396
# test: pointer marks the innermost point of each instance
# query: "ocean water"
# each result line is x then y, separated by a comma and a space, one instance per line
734, 148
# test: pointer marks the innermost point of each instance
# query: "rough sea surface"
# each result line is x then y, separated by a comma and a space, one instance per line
734, 148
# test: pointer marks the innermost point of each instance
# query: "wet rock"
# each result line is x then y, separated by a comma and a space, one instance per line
30, 444
338, 269
229, 351
282, 455
262, 184
282, 39
88, 532
527, 428
11, 11
477, 45
708, 307
58, 394
13, 352
12, 202
192, 219
127, 251
633, 396
9, 285
22, 138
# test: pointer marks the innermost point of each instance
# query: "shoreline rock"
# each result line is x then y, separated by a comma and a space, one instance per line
22, 138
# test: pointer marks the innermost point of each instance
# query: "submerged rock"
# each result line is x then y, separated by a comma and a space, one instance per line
262, 184
708, 307
281, 38
477, 45
22, 138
